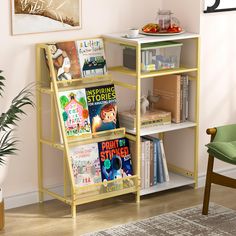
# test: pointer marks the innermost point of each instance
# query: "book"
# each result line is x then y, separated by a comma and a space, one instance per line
147, 144
158, 162
160, 168
168, 88
85, 164
65, 60
164, 161
74, 111
151, 167
115, 159
102, 108
91, 57
134, 158
149, 119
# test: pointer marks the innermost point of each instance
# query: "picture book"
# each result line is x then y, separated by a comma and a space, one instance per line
74, 111
91, 57
102, 107
85, 164
65, 60
115, 159
168, 88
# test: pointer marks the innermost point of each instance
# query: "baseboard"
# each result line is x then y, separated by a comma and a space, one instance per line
32, 197
28, 198
231, 172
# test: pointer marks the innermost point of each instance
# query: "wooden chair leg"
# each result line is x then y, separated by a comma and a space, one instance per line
208, 185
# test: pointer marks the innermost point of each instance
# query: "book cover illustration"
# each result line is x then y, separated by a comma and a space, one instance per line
91, 57
74, 110
85, 164
65, 60
102, 108
115, 159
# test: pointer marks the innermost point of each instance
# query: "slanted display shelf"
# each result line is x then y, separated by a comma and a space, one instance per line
73, 193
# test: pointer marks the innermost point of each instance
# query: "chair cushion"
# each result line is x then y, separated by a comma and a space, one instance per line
225, 151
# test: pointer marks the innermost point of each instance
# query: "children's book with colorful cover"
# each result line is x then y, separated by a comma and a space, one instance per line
65, 60
102, 108
91, 57
115, 159
74, 111
85, 164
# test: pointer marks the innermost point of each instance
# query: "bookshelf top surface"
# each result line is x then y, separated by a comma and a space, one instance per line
163, 128
119, 37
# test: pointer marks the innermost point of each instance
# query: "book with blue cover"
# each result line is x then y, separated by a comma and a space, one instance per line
115, 159
102, 107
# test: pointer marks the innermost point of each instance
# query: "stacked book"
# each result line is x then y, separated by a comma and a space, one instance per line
155, 117
153, 162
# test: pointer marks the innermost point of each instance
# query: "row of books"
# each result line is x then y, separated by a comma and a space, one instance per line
102, 161
89, 110
173, 92
76, 59
153, 162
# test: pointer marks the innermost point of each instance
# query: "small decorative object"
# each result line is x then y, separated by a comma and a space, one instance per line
35, 16
219, 5
144, 103
152, 99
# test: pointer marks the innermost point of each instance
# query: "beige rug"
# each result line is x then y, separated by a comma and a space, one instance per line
190, 221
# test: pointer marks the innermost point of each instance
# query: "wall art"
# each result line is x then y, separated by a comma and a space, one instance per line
35, 16
211, 6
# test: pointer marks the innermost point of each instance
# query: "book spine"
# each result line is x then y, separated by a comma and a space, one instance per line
182, 106
151, 164
155, 162
178, 103
143, 165
165, 168
147, 164
186, 97
160, 176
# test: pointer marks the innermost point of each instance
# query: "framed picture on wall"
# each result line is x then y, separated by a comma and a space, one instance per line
211, 6
36, 16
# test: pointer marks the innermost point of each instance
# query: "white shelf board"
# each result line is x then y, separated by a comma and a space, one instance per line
148, 38
163, 128
175, 182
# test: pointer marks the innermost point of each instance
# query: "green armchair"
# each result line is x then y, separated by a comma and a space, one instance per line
222, 147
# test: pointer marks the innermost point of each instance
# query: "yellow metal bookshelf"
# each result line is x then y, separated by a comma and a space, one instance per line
180, 173
49, 87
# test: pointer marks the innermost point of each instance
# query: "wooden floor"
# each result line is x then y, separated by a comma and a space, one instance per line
53, 217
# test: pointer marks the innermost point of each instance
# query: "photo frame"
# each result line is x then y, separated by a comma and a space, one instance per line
211, 6
37, 16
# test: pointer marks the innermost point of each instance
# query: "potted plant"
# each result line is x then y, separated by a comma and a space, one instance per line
8, 121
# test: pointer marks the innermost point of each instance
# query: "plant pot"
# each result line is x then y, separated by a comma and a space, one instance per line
2, 218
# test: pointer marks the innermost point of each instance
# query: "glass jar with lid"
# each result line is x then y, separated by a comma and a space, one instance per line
164, 20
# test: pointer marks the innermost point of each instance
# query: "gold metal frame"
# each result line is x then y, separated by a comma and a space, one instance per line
75, 197
145, 75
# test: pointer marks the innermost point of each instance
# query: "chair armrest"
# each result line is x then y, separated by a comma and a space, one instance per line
212, 132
